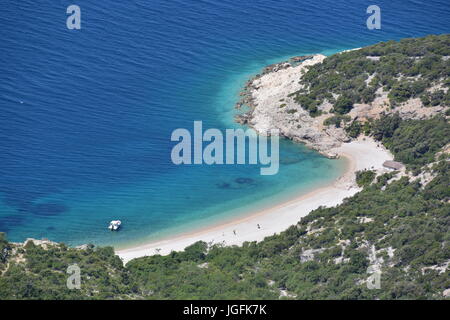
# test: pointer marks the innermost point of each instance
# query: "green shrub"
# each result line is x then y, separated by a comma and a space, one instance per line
365, 177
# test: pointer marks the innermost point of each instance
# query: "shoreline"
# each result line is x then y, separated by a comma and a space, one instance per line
361, 154
262, 93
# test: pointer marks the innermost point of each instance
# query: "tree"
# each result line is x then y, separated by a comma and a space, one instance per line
343, 105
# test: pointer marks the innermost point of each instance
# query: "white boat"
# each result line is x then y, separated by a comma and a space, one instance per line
114, 225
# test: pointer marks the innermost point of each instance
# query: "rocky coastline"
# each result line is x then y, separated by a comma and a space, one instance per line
266, 103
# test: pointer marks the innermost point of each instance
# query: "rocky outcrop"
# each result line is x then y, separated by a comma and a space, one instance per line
266, 96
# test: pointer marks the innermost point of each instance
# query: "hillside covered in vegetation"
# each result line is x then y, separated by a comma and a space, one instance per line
409, 68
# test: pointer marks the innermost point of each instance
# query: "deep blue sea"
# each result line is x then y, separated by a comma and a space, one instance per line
86, 115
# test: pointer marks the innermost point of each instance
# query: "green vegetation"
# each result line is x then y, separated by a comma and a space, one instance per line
356, 128
404, 68
413, 142
38, 273
343, 105
336, 120
309, 104
401, 91
435, 98
5, 251
365, 177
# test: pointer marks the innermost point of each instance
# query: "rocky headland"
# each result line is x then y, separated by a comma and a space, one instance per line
268, 102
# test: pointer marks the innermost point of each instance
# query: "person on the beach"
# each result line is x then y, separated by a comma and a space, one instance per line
259, 227
234, 231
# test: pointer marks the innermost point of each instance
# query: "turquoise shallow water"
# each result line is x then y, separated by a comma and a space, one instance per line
86, 116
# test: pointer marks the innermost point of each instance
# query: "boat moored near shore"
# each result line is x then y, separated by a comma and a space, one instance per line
114, 225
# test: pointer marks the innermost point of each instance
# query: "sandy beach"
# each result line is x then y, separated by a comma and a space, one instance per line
361, 154
263, 94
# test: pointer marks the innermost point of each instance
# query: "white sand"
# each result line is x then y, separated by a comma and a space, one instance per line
362, 154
